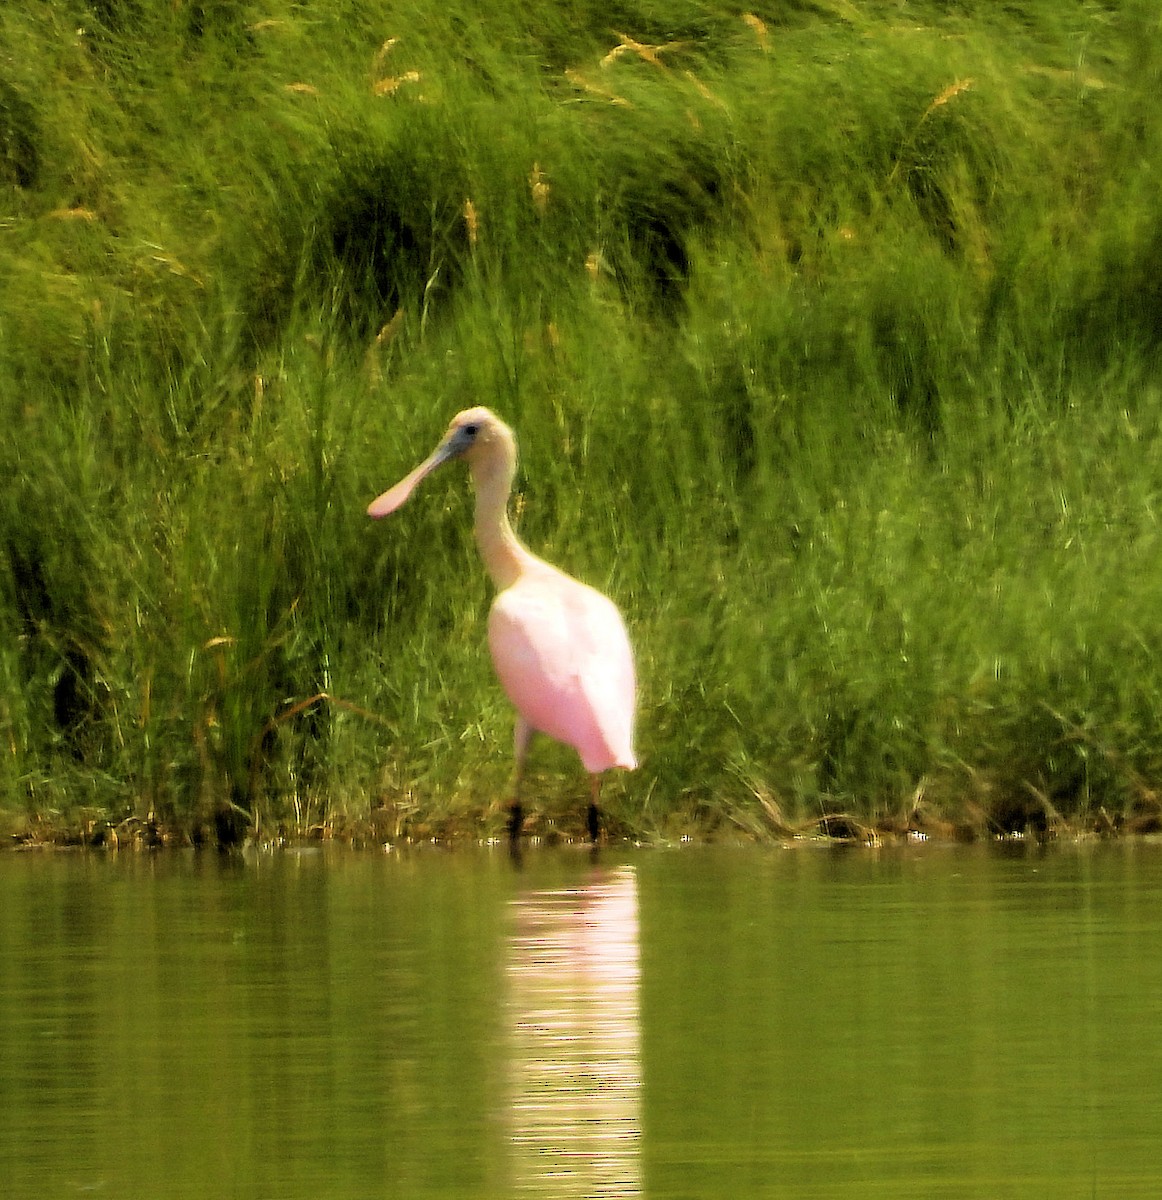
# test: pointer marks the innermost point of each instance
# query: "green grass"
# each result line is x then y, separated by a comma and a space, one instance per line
831, 338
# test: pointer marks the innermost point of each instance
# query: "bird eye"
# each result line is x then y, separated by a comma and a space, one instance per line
471, 430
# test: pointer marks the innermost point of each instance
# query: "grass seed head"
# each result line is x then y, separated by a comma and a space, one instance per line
471, 222
390, 84
539, 189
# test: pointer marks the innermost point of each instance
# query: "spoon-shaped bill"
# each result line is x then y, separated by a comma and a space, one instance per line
396, 496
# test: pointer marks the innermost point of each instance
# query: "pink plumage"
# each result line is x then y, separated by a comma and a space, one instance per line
562, 654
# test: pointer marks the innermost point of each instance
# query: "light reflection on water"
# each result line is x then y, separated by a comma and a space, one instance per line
574, 981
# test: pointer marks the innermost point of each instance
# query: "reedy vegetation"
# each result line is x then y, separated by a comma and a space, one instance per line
830, 332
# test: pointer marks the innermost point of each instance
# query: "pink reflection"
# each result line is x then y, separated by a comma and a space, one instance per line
574, 977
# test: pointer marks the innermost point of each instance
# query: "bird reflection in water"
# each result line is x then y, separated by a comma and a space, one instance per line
574, 981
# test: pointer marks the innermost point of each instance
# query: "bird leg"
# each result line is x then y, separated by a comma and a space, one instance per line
593, 816
523, 735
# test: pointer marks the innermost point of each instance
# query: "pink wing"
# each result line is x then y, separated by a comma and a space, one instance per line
563, 657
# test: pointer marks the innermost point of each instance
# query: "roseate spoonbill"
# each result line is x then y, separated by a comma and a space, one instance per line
559, 647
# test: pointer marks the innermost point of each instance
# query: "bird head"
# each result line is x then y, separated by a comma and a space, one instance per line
478, 436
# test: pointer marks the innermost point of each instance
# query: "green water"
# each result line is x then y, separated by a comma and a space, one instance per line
699, 1023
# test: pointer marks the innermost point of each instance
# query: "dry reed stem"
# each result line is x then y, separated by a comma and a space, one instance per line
386, 335
581, 83
1053, 817
471, 222
646, 51
704, 91
1068, 75
390, 329
952, 90
391, 84
760, 28
382, 53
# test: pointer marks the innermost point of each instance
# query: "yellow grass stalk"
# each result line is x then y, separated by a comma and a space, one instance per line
391, 84
582, 84
950, 92
644, 50
759, 26
471, 222
539, 189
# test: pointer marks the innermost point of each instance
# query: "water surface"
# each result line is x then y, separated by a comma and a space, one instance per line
928, 1022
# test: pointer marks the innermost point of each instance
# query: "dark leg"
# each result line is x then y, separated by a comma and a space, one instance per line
593, 816
516, 813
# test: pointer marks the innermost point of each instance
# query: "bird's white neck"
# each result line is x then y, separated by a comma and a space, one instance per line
504, 555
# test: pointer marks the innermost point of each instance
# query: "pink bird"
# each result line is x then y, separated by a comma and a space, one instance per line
559, 647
